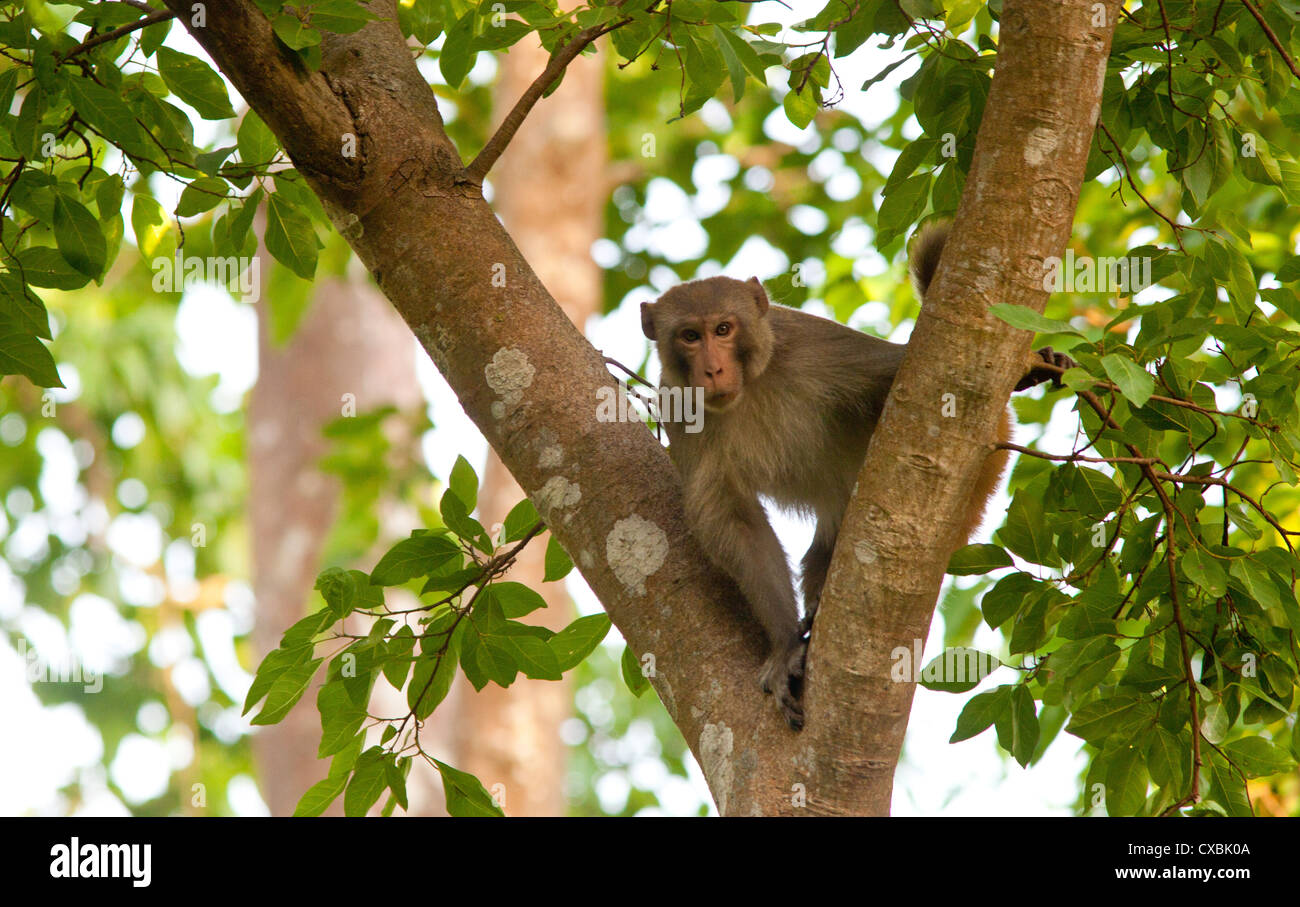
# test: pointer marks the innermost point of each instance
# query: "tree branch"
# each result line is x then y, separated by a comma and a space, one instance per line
479, 167
155, 16
1272, 37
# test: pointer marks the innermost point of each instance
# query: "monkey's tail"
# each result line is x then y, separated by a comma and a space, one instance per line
923, 259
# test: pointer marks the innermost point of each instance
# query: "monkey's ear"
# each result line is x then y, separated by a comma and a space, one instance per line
760, 295
648, 320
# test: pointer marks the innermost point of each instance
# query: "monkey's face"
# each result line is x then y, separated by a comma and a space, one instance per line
711, 334
709, 350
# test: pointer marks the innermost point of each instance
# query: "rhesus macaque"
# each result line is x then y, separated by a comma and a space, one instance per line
791, 400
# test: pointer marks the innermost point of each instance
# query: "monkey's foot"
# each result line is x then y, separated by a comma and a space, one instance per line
1036, 374
782, 676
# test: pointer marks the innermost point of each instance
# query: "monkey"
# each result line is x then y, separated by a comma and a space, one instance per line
790, 401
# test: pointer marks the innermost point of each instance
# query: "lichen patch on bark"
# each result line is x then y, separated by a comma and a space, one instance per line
635, 549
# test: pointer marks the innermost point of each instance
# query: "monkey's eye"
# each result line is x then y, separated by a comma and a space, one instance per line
723, 329
691, 336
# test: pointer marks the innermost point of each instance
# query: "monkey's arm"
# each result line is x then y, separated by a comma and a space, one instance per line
1035, 374
737, 537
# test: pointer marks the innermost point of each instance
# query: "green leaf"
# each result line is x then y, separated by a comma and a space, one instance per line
457, 58
412, 557
1204, 570
456, 517
1005, 598
195, 83
203, 194
637, 682
521, 519
801, 106
78, 234
558, 563
43, 266
1024, 724
1133, 381
975, 559
22, 353
304, 631
1165, 758
534, 657
368, 782
735, 69
286, 691
1028, 320
340, 718
957, 670
465, 794
464, 483
1126, 783
1215, 722
515, 599
320, 795
396, 778
257, 144
901, 206
578, 640
107, 113
980, 713
1258, 758
23, 308
290, 236
1098, 720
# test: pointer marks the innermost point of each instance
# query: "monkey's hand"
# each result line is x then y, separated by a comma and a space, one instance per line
1036, 374
782, 676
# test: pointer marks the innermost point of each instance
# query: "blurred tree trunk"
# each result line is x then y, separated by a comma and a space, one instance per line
546, 195
349, 342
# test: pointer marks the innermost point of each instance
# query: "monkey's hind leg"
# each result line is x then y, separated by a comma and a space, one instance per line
816, 564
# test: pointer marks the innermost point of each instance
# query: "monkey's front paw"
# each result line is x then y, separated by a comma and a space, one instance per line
782, 676
1037, 374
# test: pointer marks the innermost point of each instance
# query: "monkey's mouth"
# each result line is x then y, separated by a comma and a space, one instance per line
721, 401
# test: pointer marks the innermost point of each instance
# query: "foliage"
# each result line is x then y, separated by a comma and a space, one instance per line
466, 619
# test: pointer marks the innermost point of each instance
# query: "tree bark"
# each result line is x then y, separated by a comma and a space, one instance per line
915, 486
529, 380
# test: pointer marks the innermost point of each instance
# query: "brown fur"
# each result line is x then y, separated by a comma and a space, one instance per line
808, 394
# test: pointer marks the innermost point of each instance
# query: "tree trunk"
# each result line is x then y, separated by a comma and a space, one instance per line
416, 217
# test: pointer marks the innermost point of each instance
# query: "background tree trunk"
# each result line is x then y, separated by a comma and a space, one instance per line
349, 342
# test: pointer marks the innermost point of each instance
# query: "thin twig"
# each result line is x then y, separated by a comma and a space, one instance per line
158, 15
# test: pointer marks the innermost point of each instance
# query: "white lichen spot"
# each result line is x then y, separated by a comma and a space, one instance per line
1040, 144
636, 549
716, 744
498, 409
551, 457
804, 760
585, 560
557, 494
863, 551
509, 374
